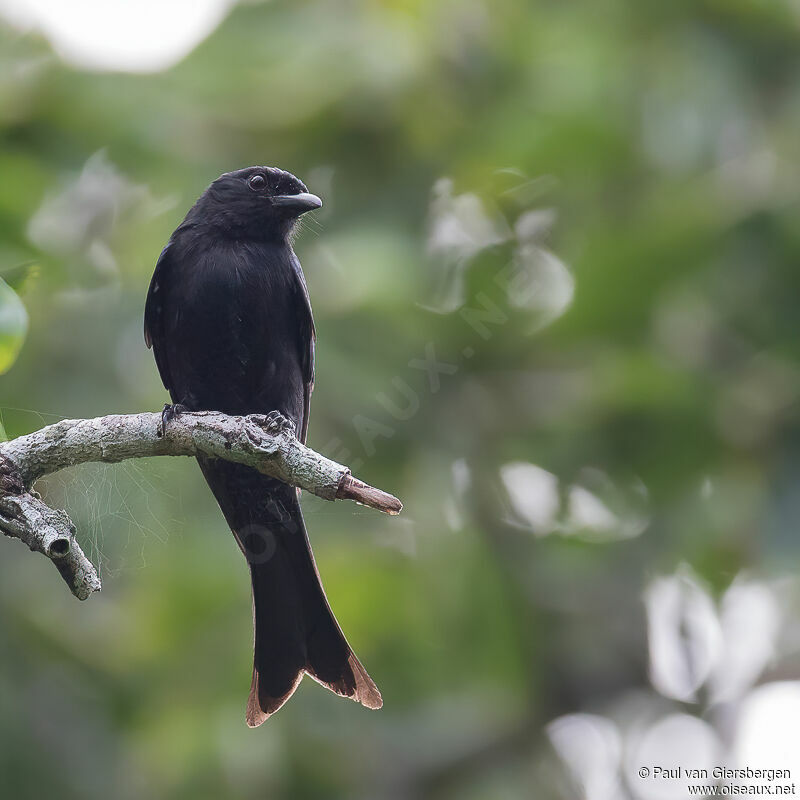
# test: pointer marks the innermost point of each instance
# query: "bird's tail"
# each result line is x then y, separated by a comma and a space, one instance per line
295, 630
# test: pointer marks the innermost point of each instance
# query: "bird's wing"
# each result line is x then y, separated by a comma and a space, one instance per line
309, 336
154, 316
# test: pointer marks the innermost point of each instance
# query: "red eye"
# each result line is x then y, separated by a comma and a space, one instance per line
257, 183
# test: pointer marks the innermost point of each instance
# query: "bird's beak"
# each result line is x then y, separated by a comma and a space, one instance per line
297, 203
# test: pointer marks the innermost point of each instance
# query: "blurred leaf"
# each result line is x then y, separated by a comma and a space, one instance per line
21, 276
13, 326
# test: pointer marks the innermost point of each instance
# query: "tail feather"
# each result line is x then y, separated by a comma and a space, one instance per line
295, 631
360, 687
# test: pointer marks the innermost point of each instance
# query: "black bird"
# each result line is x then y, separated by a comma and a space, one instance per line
229, 318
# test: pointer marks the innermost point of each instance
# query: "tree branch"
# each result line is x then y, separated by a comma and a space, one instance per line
266, 443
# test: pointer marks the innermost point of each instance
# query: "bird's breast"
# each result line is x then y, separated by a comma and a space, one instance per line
236, 336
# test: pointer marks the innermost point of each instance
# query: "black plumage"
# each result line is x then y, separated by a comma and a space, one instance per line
229, 319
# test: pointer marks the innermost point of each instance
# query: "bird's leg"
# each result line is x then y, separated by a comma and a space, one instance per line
169, 413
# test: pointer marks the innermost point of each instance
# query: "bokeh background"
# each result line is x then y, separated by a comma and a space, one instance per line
555, 283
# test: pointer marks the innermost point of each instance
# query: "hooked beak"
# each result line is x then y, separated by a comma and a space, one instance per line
297, 203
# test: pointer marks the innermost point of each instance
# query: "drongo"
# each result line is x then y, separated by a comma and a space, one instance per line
229, 319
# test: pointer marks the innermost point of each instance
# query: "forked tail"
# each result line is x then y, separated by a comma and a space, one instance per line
295, 630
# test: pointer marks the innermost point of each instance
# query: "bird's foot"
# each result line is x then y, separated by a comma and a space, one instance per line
170, 412
275, 422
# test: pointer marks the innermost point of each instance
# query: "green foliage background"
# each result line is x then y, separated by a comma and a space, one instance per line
659, 143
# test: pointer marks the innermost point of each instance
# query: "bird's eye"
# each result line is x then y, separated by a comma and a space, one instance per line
257, 183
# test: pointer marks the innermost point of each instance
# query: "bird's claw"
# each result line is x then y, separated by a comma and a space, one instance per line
277, 423
170, 412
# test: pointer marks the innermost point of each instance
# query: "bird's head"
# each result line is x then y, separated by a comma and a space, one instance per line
254, 203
